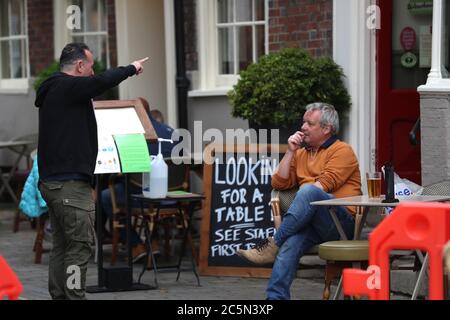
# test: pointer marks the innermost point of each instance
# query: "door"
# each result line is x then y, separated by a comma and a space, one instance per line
403, 64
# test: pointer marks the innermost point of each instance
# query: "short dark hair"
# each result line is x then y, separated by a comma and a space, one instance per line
71, 53
157, 115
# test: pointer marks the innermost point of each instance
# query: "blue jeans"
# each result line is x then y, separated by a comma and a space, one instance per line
303, 227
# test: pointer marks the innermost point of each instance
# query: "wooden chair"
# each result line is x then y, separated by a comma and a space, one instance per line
166, 216
173, 219
20, 176
338, 254
38, 247
119, 213
280, 202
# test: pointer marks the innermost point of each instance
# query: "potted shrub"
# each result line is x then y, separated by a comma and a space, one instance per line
274, 92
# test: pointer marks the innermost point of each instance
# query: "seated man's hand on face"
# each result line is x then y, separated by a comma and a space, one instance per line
295, 141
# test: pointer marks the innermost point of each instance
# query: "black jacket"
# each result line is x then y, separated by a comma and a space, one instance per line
67, 125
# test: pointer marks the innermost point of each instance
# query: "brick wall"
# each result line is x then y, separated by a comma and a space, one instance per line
40, 34
112, 38
190, 38
301, 23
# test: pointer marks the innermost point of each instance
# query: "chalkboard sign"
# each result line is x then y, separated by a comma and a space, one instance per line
237, 212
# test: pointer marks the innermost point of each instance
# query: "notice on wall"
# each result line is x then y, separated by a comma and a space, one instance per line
425, 46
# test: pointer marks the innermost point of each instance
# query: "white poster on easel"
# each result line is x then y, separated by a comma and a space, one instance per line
130, 152
118, 121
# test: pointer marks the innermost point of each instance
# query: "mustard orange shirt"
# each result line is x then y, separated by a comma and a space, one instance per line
334, 165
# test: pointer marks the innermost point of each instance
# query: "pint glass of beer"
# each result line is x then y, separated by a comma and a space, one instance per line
374, 184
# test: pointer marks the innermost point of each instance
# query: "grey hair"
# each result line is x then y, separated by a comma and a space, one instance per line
329, 116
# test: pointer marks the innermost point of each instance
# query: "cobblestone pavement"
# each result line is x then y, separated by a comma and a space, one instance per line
16, 248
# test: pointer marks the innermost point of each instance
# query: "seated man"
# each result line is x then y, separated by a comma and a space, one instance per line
323, 167
165, 132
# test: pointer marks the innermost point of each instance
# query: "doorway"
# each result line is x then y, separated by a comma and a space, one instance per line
403, 64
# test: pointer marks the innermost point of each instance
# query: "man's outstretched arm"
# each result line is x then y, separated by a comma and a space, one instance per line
91, 87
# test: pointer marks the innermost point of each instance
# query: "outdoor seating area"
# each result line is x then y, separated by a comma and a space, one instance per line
354, 253
240, 150
157, 218
17, 249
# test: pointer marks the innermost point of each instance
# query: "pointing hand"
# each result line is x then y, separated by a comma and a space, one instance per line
139, 65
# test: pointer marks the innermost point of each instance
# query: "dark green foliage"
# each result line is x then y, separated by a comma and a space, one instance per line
277, 89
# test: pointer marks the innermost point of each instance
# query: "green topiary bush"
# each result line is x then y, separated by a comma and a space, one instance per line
277, 89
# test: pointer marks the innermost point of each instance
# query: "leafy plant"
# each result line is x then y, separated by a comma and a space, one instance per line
277, 88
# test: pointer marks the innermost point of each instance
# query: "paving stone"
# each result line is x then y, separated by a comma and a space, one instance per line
16, 248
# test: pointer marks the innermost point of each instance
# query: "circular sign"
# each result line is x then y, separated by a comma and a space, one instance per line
409, 60
408, 38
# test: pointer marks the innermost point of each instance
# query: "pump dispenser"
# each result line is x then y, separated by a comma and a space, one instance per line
155, 183
389, 183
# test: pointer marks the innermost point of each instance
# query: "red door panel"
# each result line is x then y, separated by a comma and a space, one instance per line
397, 110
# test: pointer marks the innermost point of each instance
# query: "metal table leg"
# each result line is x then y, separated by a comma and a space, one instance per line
337, 223
422, 271
148, 236
187, 231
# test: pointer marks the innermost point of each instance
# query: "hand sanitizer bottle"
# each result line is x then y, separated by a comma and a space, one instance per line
155, 183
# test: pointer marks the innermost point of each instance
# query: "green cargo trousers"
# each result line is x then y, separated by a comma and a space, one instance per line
72, 213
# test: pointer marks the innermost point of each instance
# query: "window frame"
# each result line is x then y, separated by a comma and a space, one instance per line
209, 78
18, 85
438, 78
445, 54
84, 34
63, 35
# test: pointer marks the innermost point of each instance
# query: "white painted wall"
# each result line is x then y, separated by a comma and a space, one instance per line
354, 50
140, 33
171, 93
18, 117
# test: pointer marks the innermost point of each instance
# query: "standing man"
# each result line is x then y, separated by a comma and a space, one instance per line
324, 168
67, 152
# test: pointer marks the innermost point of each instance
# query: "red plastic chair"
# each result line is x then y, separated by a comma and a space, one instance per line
10, 285
423, 226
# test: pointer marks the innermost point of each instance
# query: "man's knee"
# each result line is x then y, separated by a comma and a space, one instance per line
311, 191
308, 188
